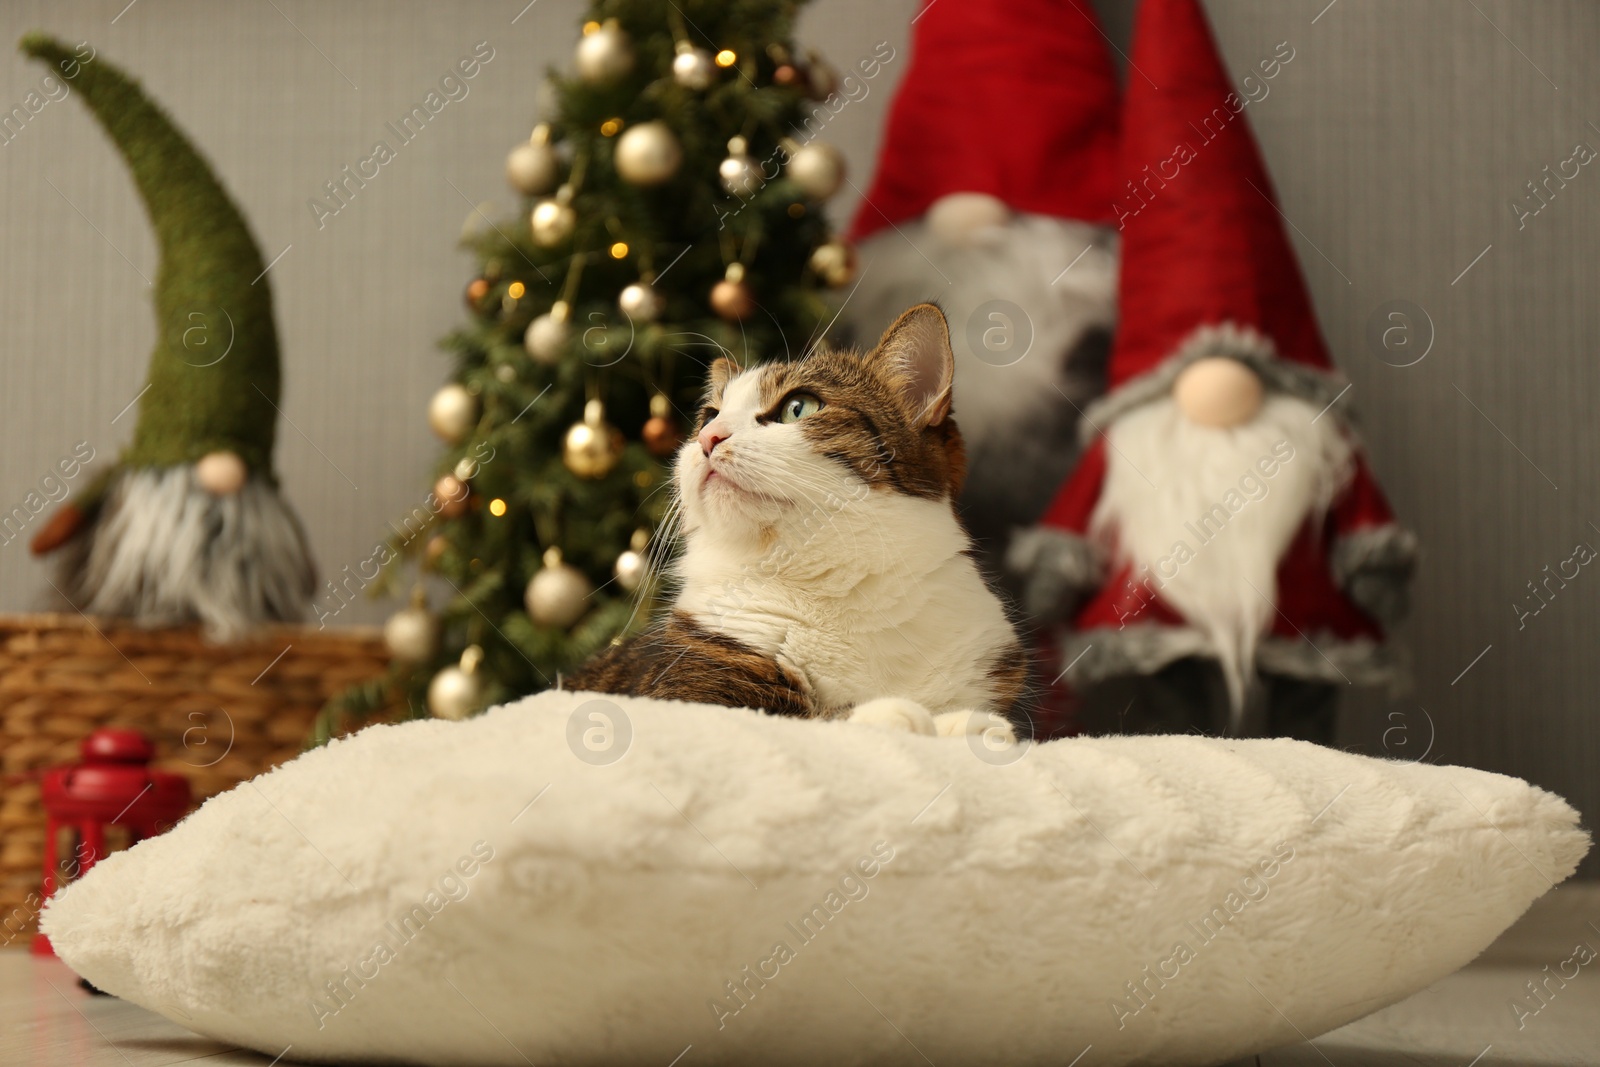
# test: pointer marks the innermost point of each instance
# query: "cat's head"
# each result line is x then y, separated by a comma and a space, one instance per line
782, 441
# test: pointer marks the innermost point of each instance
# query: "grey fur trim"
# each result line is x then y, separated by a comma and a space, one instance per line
163, 551
1053, 568
1226, 339
1095, 655
1374, 567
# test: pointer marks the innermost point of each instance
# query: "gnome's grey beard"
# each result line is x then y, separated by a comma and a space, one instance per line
163, 550
1050, 278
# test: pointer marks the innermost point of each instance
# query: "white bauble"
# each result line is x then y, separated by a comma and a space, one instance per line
604, 56
412, 634
1218, 391
641, 302
958, 218
630, 570
648, 154
532, 167
456, 692
547, 336
558, 594
552, 223
453, 412
739, 173
221, 473
817, 168
693, 68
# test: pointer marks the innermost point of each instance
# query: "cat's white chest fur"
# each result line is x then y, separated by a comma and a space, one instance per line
867, 596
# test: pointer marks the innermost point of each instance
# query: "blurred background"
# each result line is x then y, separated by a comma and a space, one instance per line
1400, 138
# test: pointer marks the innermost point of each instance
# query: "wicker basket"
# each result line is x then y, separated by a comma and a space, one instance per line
217, 714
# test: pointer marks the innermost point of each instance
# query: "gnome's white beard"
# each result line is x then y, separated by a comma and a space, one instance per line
1165, 474
163, 550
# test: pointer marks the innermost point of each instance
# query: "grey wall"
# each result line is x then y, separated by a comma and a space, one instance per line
1397, 137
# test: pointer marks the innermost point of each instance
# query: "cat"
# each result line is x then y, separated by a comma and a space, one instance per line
824, 571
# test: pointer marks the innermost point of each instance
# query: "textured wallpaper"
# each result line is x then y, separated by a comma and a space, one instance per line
1432, 159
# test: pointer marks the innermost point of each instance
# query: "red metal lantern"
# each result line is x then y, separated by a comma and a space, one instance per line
113, 786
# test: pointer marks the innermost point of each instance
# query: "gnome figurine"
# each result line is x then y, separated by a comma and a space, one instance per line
993, 196
188, 526
1223, 554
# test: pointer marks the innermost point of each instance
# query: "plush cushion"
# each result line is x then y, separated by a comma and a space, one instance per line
580, 880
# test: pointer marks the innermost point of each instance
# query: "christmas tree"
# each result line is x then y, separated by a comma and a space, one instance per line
673, 214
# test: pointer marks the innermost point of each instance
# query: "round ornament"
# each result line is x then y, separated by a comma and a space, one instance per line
532, 167
453, 412
452, 493
466, 468
648, 154
593, 447
835, 263
641, 302
434, 551
1219, 392
412, 633
632, 564
731, 298
605, 55
558, 593
693, 68
477, 292
817, 168
456, 692
221, 473
660, 433
547, 336
553, 220
739, 173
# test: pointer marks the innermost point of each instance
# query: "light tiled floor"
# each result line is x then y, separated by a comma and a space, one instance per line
1467, 1019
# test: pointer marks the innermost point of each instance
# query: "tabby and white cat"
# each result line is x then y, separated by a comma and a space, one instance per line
824, 572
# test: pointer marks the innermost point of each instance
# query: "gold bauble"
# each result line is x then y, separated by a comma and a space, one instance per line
412, 633
457, 692
453, 412
553, 221
641, 302
633, 564
817, 168
546, 337
558, 593
693, 67
740, 175
660, 434
605, 55
648, 154
532, 167
834, 263
593, 447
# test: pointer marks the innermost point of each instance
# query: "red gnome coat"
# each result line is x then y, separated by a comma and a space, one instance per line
1207, 271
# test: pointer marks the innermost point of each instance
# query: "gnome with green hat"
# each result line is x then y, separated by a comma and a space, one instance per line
188, 526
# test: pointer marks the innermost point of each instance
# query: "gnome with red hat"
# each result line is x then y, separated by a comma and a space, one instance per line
993, 196
1223, 553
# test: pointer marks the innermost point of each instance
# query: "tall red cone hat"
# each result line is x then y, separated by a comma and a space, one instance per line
1018, 100
1207, 267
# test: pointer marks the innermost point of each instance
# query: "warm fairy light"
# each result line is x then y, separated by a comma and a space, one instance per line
609, 127
497, 507
726, 58
590, 27
619, 250
515, 290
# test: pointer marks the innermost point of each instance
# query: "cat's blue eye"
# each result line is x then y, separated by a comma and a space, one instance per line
798, 407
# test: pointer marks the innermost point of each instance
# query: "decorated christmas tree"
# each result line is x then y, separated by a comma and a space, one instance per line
673, 214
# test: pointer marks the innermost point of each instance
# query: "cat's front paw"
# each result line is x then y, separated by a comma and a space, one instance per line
895, 713
995, 729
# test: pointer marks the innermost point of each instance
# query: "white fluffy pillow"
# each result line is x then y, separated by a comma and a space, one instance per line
578, 880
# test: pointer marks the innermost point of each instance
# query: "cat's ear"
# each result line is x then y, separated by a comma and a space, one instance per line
916, 352
723, 371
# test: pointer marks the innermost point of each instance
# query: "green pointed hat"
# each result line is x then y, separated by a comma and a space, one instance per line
211, 296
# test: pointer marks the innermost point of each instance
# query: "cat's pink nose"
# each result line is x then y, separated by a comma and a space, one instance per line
711, 436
